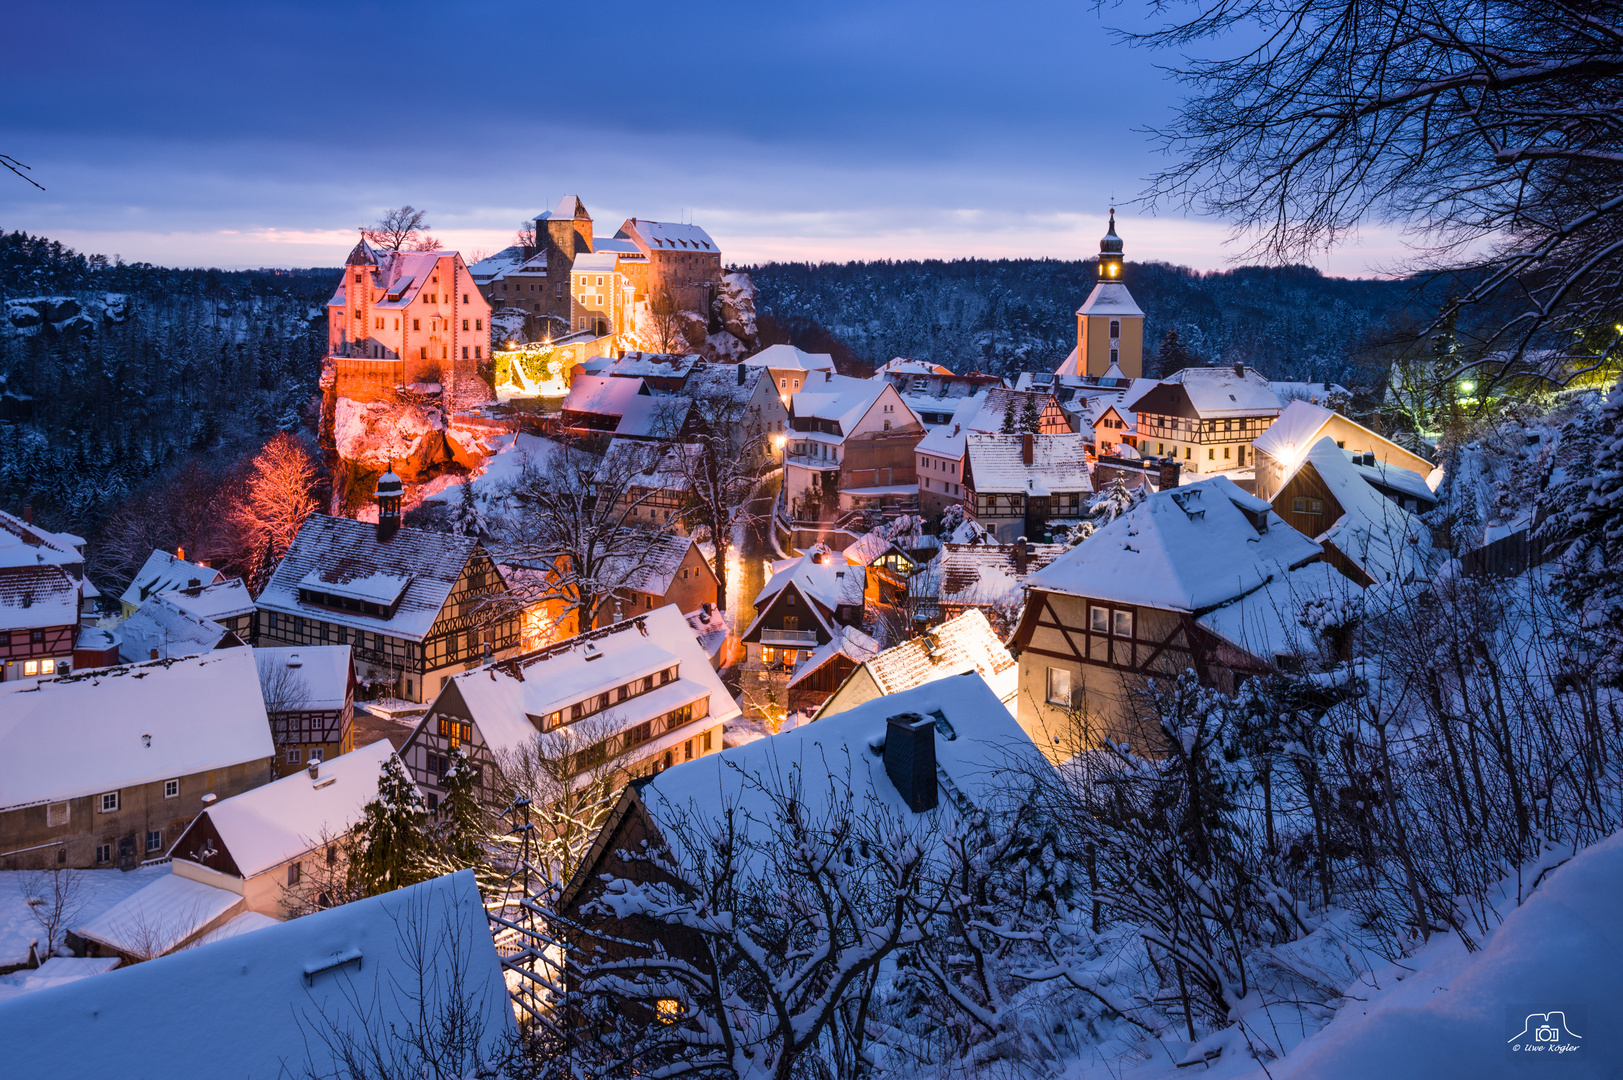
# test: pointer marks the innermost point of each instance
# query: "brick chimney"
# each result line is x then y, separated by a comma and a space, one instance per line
910, 759
1021, 555
1025, 448
1170, 467
28, 513
1239, 370
390, 492
739, 368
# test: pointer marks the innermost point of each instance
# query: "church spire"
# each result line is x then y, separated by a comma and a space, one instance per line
1110, 248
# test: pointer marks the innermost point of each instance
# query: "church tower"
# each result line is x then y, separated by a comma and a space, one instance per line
1109, 325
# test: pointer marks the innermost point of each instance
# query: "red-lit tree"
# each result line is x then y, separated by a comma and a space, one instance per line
280, 494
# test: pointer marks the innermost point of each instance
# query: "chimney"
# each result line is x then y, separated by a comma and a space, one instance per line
1169, 473
194, 586
180, 553
910, 759
1239, 371
28, 513
1020, 555
153, 654
315, 769
828, 376
1025, 448
390, 492
739, 368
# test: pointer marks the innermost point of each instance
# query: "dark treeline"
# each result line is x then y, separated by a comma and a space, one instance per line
1011, 315
113, 373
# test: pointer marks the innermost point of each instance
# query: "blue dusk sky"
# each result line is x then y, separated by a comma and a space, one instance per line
261, 134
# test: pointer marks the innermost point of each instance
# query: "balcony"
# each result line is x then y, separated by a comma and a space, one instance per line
770, 636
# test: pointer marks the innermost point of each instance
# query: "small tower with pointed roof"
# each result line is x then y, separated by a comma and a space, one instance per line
1109, 324
389, 494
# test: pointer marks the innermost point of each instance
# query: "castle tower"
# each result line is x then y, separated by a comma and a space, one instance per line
358, 271
1109, 324
562, 233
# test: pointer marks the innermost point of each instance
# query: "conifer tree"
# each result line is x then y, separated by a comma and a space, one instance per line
1587, 510
1030, 418
389, 846
462, 826
1008, 416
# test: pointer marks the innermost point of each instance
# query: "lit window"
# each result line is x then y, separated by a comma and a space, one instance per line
1059, 686
109, 802
30, 667
171, 789
769, 655
1099, 620
669, 1010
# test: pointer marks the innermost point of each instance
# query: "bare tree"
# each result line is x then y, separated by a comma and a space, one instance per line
663, 323
577, 524
568, 793
287, 694
54, 898
1485, 129
724, 440
17, 167
524, 238
403, 228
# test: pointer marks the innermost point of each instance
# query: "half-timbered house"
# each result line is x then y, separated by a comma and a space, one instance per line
415, 607
1017, 484
610, 704
42, 592
310, 699
1160, 590
226, 602
163, 572
1207, 418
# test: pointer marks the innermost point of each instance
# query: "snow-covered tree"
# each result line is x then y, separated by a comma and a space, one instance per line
388, 848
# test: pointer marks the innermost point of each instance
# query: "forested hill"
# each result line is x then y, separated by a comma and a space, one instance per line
1010, 315
111, 372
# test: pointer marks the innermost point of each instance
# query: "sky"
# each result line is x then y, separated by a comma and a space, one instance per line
244, 135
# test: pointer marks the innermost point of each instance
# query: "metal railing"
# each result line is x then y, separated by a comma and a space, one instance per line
788, 637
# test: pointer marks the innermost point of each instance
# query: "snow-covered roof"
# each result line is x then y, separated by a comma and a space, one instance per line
1110, 298
276, 1002
869, 547
163, 572
988, 575
117, 727
1294, 430
22, 544
503, 697
602, 395
569, 208
977, 743
156, 919
277, 822
650, 571
710, 381
1268, 622
160, 626
55, 971
1058, 463
307, 678
1385, 540
640, 463
246, 923
33, 597
847, 641
667, 236
1219, 392
823, 576
491, 268
947, 440
902, 366
787, 357
1315, 392
597, 262
1189, 548
650, 417
622, 246
965, 642
667, 365
843, 399
332, 552
222, 600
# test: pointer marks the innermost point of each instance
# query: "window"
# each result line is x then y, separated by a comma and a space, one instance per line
464, 324
171, 789
154, 840
1059, 686
295, 756
1099, 620
30, 667
464, 321
1225, 453
600, 280
1302, 505
1121, 623
464, 352
332, 855
476, 353
109, 802
422, 352
416, 324
1115, 328
478, 324
292, 873
769, 655
1211, 454
707, 742
104, 853
317, 754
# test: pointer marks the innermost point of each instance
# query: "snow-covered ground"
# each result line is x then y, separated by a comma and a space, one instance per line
101, 889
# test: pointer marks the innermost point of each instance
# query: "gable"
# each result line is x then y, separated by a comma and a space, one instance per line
199, 837
1167, 399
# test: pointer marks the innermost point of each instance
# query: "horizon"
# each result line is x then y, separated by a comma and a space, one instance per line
193, 136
